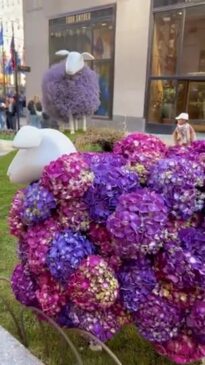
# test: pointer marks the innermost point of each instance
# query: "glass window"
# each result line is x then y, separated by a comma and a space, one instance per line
162, 101
166, 38
159, 3
196, 100
91, 32
103, 69
193, 59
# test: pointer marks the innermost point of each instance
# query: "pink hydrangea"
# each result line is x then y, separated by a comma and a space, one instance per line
68, 177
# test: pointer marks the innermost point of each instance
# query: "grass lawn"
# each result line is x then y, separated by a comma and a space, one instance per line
130, 349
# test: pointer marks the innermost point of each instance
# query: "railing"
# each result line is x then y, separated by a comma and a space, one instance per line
19, 322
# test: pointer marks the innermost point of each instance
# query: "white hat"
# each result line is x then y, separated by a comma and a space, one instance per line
184, 116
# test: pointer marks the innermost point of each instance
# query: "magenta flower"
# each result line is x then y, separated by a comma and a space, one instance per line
73, 214
17, 227
93, 285
24, 286
68, 177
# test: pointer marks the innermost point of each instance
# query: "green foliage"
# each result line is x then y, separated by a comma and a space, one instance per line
130, 349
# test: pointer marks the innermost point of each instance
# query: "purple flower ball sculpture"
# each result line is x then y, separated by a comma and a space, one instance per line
137, 280
68, 177
110, 239
24, 286
93, 285
37, 205
157, 320
137, 224
66, 253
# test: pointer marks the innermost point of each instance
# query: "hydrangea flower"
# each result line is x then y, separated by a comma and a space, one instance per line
178, 179
102, 324
142, 151
196, 321
137, 224
17, 227
39, 238
99, 234
68, 177
74, 214
157, 320
182, 350
111, 181
66, 253
38, 204
23, 286
50, 295
137, 280
93, 285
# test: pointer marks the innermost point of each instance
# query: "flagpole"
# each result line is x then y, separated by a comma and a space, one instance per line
3, 62
15, 67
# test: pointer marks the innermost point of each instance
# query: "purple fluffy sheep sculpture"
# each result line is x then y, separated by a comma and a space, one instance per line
71, 89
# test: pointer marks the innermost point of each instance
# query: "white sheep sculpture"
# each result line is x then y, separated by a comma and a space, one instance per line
71, 89
37, 148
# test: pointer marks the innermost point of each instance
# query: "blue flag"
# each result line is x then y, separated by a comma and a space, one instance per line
1, 36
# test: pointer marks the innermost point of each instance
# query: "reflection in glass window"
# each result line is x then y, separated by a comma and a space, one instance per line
162, 101
102, 41
165, 48
103, 70
194, 36
196, 100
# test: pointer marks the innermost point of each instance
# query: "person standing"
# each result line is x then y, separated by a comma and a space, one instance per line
11, 113
184, 133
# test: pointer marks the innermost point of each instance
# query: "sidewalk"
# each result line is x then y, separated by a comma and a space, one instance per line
12, 352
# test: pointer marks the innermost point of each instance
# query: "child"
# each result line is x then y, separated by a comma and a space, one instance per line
184, 134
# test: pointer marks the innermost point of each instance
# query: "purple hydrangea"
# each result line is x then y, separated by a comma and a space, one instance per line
102, 324
137, 280
196, 321
66, 253
137, 224
111, 181
173, 265
157, 320
179, 180
73, 214
24, 286
38, 204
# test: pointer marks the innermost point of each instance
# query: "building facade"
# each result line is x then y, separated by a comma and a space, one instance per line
149, 55
11, 18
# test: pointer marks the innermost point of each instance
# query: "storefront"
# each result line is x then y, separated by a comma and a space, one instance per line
176, 72
92, 31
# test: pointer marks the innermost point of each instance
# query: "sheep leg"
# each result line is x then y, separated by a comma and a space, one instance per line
76, 125
84, 123
72, 125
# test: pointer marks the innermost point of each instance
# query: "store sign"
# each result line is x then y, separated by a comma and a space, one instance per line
21, 68
78, 18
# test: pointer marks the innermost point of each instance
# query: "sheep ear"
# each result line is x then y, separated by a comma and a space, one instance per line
87, 56
62, 53
27, 137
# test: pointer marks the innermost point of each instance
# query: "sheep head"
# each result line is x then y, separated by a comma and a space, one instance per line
37, 148
75, 61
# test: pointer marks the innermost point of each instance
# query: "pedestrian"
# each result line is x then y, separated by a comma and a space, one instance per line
184, 133
11, 113
2, 114
35, 112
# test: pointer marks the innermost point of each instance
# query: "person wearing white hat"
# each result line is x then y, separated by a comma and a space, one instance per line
184, 133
